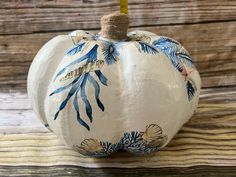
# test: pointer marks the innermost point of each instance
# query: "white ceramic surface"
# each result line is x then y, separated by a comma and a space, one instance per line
100, 96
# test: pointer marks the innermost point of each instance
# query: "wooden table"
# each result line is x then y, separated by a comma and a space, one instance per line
205, 146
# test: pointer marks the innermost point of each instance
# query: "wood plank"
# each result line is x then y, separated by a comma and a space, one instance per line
207, 139
59, 15
65, 171
17, 116
212, 46
20, 121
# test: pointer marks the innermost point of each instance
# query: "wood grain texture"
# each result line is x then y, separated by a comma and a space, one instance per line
20, 16
207, 139
213, 52
205, 146
206, 28
65, 171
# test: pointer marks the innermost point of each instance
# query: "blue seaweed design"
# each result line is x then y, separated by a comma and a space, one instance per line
77, 87
178, 56
90, 56
78, 47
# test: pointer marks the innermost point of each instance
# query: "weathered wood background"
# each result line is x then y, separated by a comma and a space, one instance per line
206, 28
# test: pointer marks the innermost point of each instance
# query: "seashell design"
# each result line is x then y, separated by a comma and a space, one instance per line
79, 35
88, 67
94, 148
153, 136
89, 146
152, 139
140, 37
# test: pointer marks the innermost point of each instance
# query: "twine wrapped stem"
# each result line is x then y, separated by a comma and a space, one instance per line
114, 26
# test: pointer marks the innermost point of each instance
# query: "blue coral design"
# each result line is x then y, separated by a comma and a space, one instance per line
152, 139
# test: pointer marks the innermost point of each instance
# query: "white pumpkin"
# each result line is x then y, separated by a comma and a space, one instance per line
100, 95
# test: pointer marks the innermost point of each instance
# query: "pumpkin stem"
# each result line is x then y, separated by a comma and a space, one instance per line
114, 26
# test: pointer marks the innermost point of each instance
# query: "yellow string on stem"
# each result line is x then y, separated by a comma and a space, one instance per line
124, 6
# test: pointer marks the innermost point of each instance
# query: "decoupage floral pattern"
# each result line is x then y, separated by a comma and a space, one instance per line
89, 71
82, 75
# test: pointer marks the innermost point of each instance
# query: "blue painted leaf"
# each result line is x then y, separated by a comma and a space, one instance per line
147, 48
85, 99
97, 91
72, 63
74, 88
76, 49
101, 77
76, 106
110, 53
190, 89
91, 56
173, 57
65, 87
179, 67
186, 58
164, 40
172, 49
168, 46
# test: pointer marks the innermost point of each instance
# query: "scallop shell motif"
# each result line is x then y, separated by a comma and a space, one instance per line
153, 136
152, 139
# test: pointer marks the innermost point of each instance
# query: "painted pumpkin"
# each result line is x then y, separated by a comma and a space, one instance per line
100, 95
